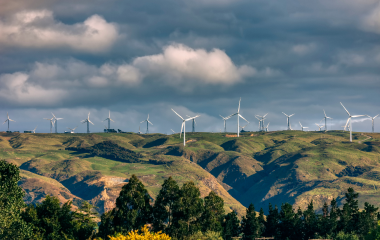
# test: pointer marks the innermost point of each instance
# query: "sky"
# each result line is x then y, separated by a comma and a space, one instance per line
135, 58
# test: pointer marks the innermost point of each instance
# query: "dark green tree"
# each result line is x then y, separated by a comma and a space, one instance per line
231, 226
187, 211
262, 221
310, 219
332, 226
272, 223
164, 206
349, 214
133, 209
287, 222
12, 225
83, 221
324, 228
213, 214
250, 224
106, 227
367, 219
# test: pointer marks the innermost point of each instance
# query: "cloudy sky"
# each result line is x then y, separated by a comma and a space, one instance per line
136, 58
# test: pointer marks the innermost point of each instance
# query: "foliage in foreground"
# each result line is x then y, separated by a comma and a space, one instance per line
143, 234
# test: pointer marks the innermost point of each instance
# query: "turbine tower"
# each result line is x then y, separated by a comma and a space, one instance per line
109, 120
183, 127
139, 131
8, 120
302, 127
373, 125
238, 115
325, 118
349, 119
147, 126
266, 129
225, 119
51, 123
320, 126
289, 125
87, 120
72, 129
259, 122
193, 125
56, 122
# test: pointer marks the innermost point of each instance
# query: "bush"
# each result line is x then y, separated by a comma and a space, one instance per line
209, 235
346, 236
144, 234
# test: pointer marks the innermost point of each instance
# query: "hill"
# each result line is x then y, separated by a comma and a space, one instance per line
262, 168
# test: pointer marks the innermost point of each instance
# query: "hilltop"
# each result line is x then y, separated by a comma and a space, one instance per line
262, 168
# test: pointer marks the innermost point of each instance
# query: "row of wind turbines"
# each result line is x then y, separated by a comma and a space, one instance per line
54, 122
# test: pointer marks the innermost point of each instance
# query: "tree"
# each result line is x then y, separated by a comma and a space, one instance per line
164, 205
213, 214
83, 221
287, 222
262, 221
271, 225
133, 209
310, 222
187, 211
12, 225
250, 224
106, 226
231, 226
349, 215
367, 219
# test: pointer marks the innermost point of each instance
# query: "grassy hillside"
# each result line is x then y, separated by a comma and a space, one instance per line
276, 167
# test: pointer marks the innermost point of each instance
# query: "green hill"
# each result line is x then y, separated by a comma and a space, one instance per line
262, 168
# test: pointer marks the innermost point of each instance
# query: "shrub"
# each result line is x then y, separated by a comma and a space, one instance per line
144, 234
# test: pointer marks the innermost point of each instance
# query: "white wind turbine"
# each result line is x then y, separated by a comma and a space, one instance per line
325, 118
34, 130
109, 120
261, 121
51, 123
320, 126
349, 119
288, 120
266, 129
238, 115
72, 129
373, 125
242, 128
225, 119
139, 131
8, 120
56, 122
87, 120
183, 127
147, 126
302, 127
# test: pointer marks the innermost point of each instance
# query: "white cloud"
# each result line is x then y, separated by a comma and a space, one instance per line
39, 29
371, 22
179, 62
303, 49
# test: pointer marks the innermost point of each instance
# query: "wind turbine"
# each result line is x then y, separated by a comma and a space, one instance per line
261, 127
242, 128
373, 118
183, 127
139, 131
320, 126
325, 118
193, 125
266, 129
51, 123
259, 122
302, 126
349, 119
72, 129
147, 126
289, 126
238, 115
225, 119
7, 120
56, 122
87, 120
109, 120
33, 131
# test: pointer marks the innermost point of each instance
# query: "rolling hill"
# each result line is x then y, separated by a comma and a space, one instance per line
262, 168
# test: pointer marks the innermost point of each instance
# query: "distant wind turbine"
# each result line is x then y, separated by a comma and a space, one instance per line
51, 123
72, 129
56, 122
373, 124
88, 121
319, 126
8, 120
33, 131
109, 120
288, 121
261, 121
325, 118
225, 119
183, 126
193, 125
349, 119
238, 115
242, 128
147, 126
302, 127
267, 127
139, 131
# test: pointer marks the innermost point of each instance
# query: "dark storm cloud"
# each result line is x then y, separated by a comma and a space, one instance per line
136, 57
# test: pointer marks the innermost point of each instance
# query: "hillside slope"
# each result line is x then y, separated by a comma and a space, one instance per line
262, 168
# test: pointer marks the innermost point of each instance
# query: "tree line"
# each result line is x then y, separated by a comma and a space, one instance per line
180, 212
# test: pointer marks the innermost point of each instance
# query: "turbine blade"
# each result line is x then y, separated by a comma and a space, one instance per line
345, 109
324, 112
143, 121
177, 114
345, 126
180, 134
243, 118
375, 116
292, 115
285, 114
221, 116
112, 120
90, 122
300, 124
239, 105
150, 122
265, 115
358, 116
